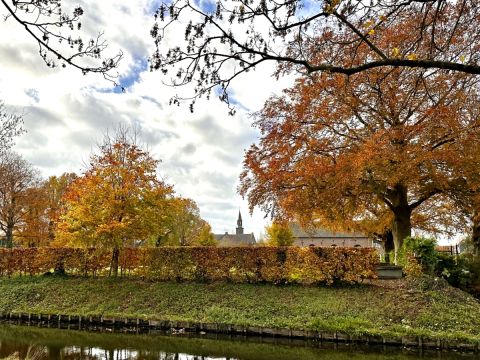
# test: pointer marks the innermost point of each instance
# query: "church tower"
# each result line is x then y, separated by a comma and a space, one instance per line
239, 224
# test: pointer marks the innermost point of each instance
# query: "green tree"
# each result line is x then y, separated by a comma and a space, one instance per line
279, 234
206, 237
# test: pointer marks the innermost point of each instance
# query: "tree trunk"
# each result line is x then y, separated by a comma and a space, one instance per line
115, 258
9, 236
387, 243
476, 233
401, 228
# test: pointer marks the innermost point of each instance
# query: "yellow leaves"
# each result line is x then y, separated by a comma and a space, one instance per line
462, 58
367, 24
395, 53
279, 234
117, 201
330, 8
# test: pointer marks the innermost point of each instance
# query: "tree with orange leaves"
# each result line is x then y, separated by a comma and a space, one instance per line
119, 200
54, 189
466, 195
183, 225
380, 145
333, 36
33, 230
17, 178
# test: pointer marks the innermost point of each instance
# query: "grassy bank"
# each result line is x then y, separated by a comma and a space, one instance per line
378, 308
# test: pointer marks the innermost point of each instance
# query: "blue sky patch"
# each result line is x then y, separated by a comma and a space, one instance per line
128, 79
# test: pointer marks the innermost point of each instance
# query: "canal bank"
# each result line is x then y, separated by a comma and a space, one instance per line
398, 313
20, 342
142, 326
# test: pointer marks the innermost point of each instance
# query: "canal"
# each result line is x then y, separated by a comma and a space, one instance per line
23, 342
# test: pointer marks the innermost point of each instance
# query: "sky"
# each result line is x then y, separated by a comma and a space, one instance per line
67, 113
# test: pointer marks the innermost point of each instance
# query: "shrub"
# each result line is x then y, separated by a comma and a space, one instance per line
418, 253
462, 271
236, 264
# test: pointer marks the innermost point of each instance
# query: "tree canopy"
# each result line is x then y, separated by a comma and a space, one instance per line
117, 201
17, 179
377, 149
183, 225
335, 36
279, 234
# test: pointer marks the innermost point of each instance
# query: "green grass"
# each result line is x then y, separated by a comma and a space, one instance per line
362, 309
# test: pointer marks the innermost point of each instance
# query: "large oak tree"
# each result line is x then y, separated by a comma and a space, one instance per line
379, 146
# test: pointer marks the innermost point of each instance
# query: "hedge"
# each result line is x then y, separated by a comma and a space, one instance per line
312, 265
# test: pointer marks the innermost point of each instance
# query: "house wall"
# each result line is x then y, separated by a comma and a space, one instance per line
327, 242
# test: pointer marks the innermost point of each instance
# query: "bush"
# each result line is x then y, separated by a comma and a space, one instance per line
236, 264
462, 271
419, 254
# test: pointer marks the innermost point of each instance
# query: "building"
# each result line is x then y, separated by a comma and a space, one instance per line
237, 239
321, 237
453, 250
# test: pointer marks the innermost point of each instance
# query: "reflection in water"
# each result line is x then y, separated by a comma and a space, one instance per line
34, 352
17, 342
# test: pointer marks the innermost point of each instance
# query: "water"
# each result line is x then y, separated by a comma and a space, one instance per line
54, 344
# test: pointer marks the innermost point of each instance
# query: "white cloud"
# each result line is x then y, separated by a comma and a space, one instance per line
67, 112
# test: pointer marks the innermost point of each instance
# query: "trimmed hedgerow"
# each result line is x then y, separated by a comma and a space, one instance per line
312, 265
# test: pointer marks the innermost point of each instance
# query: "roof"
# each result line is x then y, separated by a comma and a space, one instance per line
299, 232
235, 239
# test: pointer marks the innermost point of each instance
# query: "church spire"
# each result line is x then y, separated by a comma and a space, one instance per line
239, 224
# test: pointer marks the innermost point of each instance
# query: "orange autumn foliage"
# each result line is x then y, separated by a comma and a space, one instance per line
376, 148
203, 264
118, 200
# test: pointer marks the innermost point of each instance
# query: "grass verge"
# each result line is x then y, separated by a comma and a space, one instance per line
397, 308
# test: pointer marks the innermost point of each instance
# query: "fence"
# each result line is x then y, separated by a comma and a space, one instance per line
448, 249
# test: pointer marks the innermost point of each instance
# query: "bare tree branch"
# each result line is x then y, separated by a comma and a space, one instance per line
346, 37
42, 21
